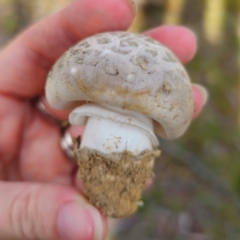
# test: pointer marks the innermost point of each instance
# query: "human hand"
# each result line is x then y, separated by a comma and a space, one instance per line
38, 195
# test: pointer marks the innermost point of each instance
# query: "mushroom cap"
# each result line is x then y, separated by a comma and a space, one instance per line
129, 71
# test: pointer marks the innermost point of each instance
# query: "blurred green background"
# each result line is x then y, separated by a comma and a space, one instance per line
196, 191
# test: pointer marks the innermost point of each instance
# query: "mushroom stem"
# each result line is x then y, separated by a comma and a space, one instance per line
111, 129
116, 156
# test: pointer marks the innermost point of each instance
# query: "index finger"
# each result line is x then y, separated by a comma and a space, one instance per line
181, 40
25, 63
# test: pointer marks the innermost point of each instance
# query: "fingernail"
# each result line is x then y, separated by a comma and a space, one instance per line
133, 5
80, 221
202, 91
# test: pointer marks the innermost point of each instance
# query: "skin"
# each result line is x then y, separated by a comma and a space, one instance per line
39, 197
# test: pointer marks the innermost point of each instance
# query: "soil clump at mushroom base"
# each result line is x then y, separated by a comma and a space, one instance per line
115, 185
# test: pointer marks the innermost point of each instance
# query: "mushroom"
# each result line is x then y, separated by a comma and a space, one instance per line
123, 86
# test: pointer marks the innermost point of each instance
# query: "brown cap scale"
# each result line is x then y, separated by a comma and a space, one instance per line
131, 85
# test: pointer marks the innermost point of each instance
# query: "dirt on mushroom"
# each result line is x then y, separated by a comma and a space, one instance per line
115, 185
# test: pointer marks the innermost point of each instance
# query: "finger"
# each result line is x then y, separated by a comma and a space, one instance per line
76, 130
200, 98
12, 114
41, 157
31, 138
44, 211
34, 142
180, 40
25, 63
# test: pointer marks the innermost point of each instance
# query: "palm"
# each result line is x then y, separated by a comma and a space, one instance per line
31, 145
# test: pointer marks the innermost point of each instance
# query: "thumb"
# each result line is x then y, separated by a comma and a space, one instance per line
47, 211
